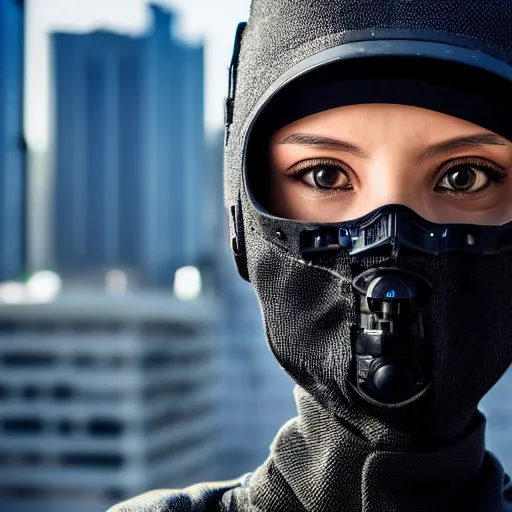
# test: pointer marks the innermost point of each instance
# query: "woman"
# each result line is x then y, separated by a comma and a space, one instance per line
369, 183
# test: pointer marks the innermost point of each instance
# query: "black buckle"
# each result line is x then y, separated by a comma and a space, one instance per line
238, 241
229, 104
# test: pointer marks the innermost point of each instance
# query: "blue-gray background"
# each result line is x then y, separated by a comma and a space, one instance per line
132, 355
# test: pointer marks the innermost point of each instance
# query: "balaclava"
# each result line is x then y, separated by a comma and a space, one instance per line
388, 420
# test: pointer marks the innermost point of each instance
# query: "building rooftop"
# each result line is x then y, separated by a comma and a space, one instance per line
140, 306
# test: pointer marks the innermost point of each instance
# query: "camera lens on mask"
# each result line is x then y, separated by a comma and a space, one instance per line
392, 382
392, 364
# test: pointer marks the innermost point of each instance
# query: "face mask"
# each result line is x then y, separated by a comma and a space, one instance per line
407, 380
368, 294
334, 324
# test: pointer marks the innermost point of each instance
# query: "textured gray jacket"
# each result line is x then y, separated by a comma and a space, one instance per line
460, 477
212, 497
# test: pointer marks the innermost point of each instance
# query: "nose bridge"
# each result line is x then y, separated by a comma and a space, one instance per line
391, 178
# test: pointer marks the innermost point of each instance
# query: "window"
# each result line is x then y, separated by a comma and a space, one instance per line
8, 327
105, 427
63, 392
23, 425
83, 327
31, 458
4, 391
84, 361
105, 460
31, 392
42, 327
65, 427
29, 360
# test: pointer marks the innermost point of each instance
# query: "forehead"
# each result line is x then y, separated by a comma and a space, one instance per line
383, 121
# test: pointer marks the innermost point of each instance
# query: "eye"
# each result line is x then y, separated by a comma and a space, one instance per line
469, 178
323, 176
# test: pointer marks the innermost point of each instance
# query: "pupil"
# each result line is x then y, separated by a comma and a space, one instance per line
326, 177
462, 179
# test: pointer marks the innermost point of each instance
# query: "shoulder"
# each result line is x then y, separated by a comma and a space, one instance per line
202, 497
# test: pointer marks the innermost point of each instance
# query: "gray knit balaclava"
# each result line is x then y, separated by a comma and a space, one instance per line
342, 451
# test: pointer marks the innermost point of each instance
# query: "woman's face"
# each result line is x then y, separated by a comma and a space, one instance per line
340, 164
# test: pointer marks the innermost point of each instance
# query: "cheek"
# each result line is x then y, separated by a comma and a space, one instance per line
494, 208
283, 199
281, 192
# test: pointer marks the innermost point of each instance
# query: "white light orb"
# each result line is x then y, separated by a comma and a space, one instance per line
12, 292
44, 286
116, 282
187, 283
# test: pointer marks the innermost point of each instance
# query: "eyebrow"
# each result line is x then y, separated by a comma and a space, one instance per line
306, 139
478, 139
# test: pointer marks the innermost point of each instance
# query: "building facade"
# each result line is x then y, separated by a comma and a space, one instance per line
103, 398
129, 151
12, 150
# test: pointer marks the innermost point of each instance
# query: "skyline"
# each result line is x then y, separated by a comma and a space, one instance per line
197, 21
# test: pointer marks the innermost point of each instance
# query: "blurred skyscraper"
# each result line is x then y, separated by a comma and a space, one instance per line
12, 154
129, 149
104, 397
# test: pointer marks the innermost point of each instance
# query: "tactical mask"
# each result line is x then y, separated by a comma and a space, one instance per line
330, 292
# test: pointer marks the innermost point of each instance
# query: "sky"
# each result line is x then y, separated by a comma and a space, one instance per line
210, 21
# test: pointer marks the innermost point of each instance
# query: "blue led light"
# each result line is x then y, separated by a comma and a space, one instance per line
391, 294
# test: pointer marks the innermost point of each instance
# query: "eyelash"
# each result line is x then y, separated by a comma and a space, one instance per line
495, 173
305, 167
